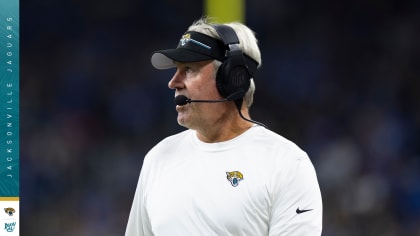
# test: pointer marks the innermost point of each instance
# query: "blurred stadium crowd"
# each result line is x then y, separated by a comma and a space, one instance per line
339, 78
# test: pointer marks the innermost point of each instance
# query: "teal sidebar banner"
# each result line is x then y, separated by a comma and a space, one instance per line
9, 98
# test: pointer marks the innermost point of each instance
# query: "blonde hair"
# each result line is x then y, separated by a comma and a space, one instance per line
248, 43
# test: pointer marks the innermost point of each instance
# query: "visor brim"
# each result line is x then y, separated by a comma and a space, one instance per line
165, 59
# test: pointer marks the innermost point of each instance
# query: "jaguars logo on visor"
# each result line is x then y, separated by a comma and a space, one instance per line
186, 38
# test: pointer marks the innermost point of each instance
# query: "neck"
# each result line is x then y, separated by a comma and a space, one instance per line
226, 128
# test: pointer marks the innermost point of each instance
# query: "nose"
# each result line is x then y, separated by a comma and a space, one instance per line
177, 81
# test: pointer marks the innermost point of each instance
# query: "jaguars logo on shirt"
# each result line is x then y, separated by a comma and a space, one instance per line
234, 177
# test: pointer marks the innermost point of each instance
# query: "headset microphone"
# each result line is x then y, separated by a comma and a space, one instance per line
182, 100
237, 96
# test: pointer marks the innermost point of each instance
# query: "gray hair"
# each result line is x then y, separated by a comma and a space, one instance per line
247, 42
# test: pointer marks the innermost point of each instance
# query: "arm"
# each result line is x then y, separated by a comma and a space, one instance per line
138, 223
296, 203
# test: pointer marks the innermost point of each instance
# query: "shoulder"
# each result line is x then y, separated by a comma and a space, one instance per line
170, 144
277, 143
173, 139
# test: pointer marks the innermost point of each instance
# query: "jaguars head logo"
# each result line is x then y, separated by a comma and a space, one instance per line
234, 177
10, 211
185, 38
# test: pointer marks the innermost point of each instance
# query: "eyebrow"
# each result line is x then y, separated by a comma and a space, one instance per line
198, 63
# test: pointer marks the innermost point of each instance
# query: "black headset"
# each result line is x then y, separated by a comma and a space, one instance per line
233, 76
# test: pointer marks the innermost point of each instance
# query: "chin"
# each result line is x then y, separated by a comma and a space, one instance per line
182, 121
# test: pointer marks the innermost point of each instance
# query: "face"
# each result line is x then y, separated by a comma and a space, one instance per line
196, 80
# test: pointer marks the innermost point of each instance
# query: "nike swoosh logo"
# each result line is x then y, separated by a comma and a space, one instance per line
299, 211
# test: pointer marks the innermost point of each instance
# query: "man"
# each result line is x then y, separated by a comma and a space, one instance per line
226, 174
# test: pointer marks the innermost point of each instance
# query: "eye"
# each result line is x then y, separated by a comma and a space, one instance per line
188, 69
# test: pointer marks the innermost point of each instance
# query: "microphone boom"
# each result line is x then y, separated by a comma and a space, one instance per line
182, 100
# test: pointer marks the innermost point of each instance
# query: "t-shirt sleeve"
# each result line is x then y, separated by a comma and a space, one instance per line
138, 222
296, 200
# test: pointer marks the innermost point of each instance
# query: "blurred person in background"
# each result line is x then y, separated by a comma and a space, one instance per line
226, 174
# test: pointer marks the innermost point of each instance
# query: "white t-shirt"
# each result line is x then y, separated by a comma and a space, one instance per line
257, 184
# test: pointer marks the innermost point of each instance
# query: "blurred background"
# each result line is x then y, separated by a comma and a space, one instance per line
339, 78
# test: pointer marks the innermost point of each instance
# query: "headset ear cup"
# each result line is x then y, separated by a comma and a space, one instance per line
232, 77
239, 79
